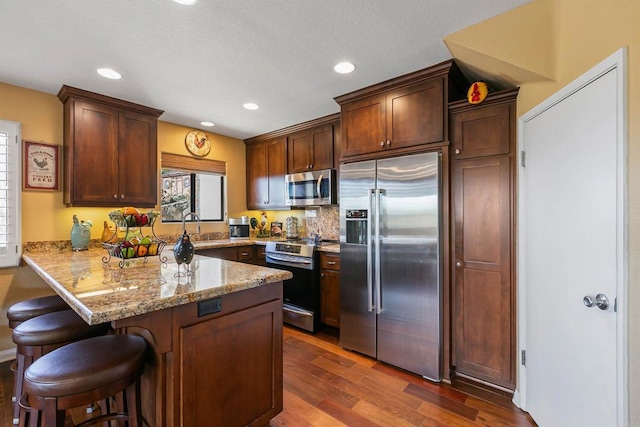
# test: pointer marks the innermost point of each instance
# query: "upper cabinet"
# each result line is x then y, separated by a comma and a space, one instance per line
312, 145
311, 149
400, 115
266, 168
110, 151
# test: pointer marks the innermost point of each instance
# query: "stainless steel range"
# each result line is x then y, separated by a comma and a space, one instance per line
301, 305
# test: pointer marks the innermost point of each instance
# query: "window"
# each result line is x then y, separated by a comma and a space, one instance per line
10, 212
192, 185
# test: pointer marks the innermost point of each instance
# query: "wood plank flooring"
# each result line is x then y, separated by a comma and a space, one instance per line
327, 386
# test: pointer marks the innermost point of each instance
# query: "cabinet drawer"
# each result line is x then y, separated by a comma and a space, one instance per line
245, 254
329, 261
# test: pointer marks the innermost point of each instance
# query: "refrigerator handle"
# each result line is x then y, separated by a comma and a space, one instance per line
370, 301
378, 291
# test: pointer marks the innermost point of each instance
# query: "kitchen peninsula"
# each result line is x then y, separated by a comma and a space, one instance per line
215, 335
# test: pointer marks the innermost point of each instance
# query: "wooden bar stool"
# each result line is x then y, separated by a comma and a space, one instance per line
42, 334
28, 309
83, 372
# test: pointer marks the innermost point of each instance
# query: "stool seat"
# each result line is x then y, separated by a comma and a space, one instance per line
55, 328
25, 310
94, 369
85, 365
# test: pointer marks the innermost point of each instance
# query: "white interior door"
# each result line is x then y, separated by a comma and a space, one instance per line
572, 246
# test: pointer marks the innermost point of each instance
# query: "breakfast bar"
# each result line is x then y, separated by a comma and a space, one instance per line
214, 328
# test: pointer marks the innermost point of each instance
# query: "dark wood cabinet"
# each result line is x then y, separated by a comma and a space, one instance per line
399, 116
266, 167
483, 198
233, 253
330, 289
110, 151
409, 116
311, 149
482, 131
311, 145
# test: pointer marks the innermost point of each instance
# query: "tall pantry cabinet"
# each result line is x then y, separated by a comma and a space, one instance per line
483, 163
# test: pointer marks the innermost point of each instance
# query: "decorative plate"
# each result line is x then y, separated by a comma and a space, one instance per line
477, 92
197, 143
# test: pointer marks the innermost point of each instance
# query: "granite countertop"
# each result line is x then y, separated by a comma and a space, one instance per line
225, 243
102, 292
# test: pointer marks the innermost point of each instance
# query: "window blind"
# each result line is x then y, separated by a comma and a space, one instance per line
10, 213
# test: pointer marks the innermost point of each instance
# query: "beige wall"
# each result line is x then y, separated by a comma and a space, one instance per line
585, 32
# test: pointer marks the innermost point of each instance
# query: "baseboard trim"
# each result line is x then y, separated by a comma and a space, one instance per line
7, 355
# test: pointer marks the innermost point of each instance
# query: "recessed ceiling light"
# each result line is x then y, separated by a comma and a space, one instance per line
207, 124
344, 67
251, 106
186, 2
109, 73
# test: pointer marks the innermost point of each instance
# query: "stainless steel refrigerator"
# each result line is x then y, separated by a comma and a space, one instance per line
390, 244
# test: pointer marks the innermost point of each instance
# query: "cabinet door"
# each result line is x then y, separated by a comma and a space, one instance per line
483, 299
93, 155
276, 170
257, 184
299, 152
363, 126
321, 140
330, 297
483, 131
415, 114
240, 382
137, 160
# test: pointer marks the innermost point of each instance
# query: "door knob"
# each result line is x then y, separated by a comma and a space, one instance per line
600, 300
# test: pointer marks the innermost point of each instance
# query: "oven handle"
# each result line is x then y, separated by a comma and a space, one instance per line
283, 259
293, 310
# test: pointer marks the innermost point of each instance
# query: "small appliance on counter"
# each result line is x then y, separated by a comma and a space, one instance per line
239, 228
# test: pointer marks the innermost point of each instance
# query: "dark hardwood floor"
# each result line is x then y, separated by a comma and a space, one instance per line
327, 386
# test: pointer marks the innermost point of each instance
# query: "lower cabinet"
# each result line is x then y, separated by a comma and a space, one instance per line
330, 289
229, 370
233, 253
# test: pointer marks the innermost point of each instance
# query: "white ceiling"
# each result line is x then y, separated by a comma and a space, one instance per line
203, 62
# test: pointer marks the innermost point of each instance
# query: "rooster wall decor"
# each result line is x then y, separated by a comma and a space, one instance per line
41, 163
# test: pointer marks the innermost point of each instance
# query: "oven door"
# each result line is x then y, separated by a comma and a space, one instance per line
301, 294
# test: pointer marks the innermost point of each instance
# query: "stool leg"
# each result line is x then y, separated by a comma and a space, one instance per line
17, 387
51, 415
134, 410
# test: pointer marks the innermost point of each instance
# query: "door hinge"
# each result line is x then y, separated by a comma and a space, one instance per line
522, 159
523, 357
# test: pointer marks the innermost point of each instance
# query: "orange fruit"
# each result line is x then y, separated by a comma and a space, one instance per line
130, 211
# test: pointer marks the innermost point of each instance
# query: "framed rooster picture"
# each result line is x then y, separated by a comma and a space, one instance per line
40, 168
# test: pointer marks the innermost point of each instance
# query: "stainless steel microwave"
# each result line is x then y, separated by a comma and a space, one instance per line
314, 188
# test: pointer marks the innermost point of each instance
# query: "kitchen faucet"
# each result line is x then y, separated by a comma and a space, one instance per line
184, 220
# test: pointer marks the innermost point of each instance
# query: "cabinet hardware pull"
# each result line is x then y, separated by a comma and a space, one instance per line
381, 143
331, 262
458, 151
244, 253
115, 196
122, 196
388, 142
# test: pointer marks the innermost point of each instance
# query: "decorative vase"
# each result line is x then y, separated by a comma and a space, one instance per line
80, 234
